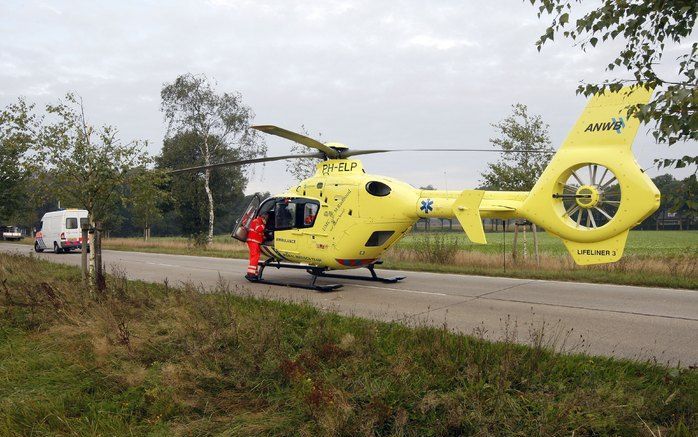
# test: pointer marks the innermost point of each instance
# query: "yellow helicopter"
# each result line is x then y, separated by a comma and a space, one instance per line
590, 195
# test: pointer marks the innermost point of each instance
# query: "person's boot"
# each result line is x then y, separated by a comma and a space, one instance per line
252, 278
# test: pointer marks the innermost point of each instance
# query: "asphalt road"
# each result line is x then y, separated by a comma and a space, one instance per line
633, 322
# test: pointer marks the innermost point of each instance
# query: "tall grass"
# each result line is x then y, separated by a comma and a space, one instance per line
435, 248
151, 359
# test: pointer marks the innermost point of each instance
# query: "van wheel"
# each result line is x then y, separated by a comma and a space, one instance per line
37, 248
56, 249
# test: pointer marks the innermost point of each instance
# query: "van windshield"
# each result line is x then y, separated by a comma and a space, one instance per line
71, 223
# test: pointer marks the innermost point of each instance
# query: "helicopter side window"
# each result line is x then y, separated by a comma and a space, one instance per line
310, 214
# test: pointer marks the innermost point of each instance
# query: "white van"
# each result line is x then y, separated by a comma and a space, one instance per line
61, 231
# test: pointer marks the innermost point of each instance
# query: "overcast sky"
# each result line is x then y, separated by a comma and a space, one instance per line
365, 73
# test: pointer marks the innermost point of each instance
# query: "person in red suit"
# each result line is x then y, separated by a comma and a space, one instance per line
255, 237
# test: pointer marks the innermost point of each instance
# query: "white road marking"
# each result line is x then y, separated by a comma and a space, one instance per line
400, 289
162, 264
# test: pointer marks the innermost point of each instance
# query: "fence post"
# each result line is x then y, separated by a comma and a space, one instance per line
99, 271
535, 244
83, 250
525, 243
516, 239
504, 244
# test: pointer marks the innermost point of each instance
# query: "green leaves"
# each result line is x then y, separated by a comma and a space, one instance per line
18, 125
646, 26
86, 166
518, 171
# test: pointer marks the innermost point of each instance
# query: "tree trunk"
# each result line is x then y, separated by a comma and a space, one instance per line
207, 187
99, 281
209, 194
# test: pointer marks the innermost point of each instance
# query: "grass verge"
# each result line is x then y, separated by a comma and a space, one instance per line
148, 359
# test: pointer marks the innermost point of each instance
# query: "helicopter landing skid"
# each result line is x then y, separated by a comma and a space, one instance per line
311, 286
373, 278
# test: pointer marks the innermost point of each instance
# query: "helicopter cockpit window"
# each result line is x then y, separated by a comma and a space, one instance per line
295, 213
285, 215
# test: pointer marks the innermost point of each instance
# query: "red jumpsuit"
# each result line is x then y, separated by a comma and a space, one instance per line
255, 237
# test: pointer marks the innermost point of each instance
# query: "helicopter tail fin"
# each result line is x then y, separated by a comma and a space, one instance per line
466, 208
593, 191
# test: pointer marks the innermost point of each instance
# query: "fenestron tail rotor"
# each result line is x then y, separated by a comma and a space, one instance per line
591, 196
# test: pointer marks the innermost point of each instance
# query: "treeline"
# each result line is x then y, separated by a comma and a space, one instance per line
55, 157
679, 207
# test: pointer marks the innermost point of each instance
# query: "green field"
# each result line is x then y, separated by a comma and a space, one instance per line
147, 359
640, 243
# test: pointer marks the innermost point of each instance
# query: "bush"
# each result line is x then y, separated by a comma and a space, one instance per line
436, 248
197, 240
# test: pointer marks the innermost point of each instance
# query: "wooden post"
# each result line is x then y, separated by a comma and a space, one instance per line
504, 245
99, 270
83, 251
525, 243
516, 235
535, 244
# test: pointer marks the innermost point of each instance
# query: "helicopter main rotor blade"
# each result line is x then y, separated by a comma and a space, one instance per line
298, 138
245, 162
349, 153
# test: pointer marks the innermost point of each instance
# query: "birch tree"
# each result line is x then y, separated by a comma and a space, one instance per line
221, 120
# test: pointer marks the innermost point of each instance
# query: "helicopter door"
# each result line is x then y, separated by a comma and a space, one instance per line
285, 228
243, 223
